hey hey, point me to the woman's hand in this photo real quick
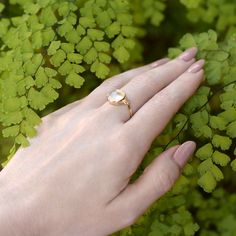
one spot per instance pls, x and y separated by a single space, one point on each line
74 178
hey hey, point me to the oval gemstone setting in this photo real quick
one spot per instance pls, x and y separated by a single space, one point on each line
116 96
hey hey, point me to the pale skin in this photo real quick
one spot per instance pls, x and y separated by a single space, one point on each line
73 179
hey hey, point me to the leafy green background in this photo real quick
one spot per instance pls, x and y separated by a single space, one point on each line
53 52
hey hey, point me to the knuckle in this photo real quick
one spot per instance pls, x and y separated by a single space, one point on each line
88 121
108 82
170 96
178 64
144 77
120 141
125 153
150 75
150 79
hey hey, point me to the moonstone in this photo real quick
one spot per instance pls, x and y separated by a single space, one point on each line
116 96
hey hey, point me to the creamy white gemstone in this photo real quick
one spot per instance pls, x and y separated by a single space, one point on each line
116 96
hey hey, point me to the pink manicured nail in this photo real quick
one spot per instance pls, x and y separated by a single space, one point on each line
159 62
196 66
184 152
188 54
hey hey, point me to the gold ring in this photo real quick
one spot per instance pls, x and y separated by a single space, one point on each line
118 97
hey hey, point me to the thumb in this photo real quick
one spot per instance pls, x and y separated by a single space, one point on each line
155 181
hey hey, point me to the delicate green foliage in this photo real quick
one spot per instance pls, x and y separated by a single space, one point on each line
54 46
220 158
205 166
121 54
210 174
100 69
217 123
217 173
1 7
48 46
101 46
113 29
231 129
31 117
233 165
191 3
21 139
75 80
90 56
219 13
204 152
180 121
221 141
213 68
204 124
153 11
182 224
95 34
207 181
27 129
74 58
199 121
55 40
229 115
41 78
58 58
84 45
11 131
36 99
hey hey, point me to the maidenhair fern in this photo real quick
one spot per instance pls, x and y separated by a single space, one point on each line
220 13
50 48
51 41
212 124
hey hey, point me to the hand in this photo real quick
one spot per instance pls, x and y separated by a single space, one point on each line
74 178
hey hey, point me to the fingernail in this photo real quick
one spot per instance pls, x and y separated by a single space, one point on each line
196 66
159 62
188 54
184 152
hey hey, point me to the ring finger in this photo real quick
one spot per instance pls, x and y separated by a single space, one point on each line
145 85
98 96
